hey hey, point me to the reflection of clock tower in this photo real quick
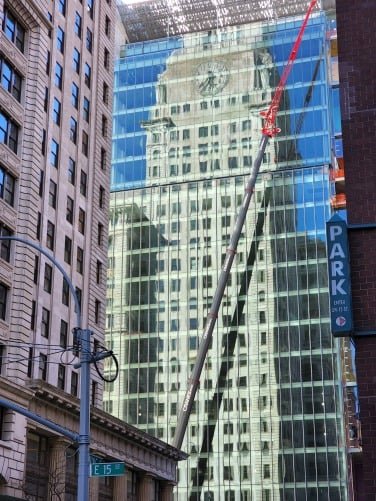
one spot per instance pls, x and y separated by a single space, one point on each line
205 129
211 77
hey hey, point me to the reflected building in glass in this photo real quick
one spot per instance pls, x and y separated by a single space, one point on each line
267 421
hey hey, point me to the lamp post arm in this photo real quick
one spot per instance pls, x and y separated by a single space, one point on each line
58 266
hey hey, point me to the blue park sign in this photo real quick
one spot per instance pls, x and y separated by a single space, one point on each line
339 277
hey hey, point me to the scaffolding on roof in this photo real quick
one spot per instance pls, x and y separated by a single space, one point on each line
150 20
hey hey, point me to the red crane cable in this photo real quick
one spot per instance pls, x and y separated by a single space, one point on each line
269 127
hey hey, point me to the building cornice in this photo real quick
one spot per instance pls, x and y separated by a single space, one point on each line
35 12
46 394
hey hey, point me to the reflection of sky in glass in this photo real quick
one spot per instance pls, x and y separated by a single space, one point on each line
308 112
135 95
135 79
306 89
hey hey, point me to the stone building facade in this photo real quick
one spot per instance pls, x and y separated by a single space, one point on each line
55 136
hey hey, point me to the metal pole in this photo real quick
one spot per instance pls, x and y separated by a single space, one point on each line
84 441
213 313
85 358
39 419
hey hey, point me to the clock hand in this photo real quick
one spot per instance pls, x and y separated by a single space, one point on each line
205 84
209 82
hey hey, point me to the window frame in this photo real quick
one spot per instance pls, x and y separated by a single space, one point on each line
60 39
9 131
59 72
45 323
76 60
11 80
78 25
7 186
54 153
75 95
17 35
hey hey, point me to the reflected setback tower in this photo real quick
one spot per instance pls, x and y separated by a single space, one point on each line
186 126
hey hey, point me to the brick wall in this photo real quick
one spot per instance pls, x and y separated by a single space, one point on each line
357 42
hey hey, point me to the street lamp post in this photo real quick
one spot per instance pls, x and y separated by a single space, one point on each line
85 359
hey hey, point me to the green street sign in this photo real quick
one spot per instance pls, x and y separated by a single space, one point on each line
107 469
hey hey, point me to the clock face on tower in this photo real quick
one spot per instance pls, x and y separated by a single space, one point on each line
211 77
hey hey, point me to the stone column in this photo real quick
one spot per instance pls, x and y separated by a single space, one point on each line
120 488
166 491
57 469
146 488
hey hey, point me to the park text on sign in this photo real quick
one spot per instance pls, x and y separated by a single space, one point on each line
339 277
107 469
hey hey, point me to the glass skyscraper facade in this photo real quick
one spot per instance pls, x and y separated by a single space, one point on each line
267 423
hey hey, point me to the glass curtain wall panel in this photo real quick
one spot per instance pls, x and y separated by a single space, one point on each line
267 420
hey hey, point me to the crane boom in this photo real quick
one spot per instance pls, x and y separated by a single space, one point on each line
269 130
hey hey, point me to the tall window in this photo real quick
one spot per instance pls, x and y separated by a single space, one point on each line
90 8
78 25
75 94
50 238
52 194
5 245
45 323
60 38
61 377
10 79
63 334
42 373
36 269
99 272
70 210
106 59
7 186
80 260
104 126
76 60
79 296
86 109
65 293
68 250
97 311
73 130
100 234
101 197
13 30
85 143
89 40
103 159
61 6
47 278
74 384
83 183
59 76
3 301
87 75
8 132
71 171
54 157
48 62
56 113
107 26
105 93
81 221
